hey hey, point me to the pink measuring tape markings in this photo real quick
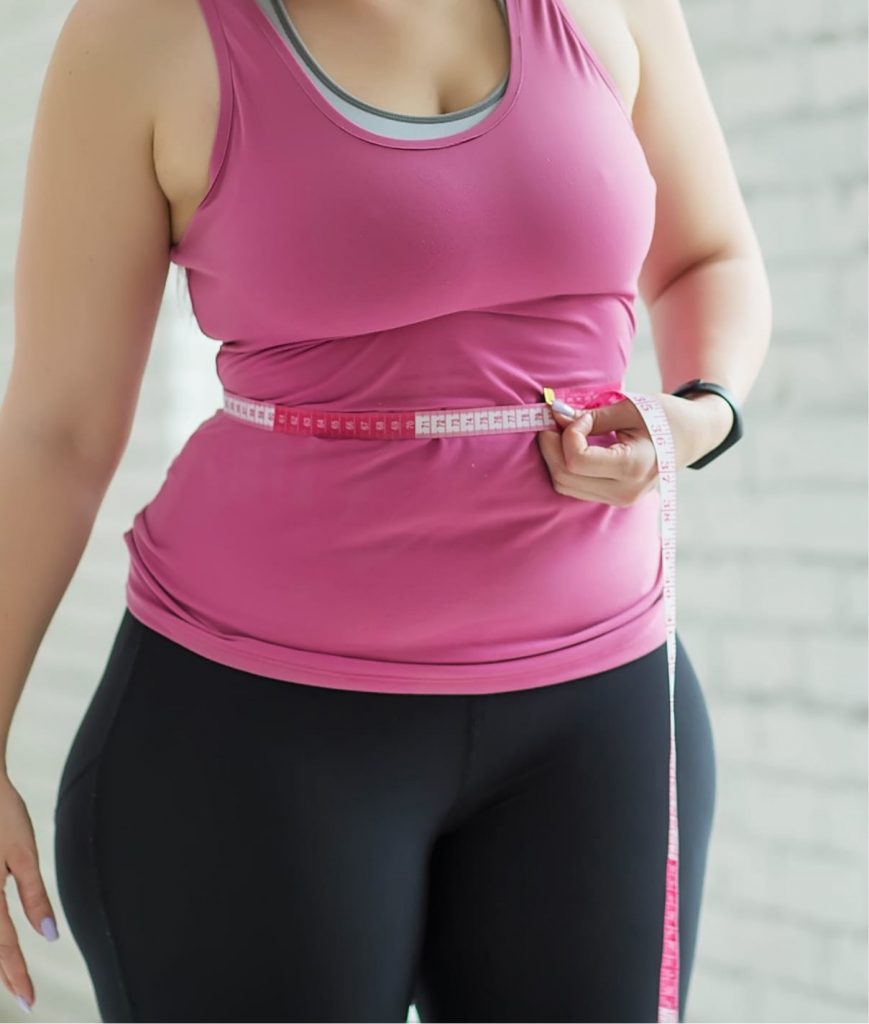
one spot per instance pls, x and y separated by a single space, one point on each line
406 424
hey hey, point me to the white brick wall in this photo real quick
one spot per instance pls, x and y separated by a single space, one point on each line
772 556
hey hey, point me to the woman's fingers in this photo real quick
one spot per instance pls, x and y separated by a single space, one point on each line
616 474
4 977
16 976
23 862
19 857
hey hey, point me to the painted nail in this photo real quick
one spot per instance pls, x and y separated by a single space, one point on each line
563 408
48 928
22 1002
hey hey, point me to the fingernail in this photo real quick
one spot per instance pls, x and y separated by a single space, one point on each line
22 1002
563 408
585 419
48 928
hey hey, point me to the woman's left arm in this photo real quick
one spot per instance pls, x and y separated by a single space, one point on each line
703 280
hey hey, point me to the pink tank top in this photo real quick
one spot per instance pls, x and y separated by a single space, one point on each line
344 269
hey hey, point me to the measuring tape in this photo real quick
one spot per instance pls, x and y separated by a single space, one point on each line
409 425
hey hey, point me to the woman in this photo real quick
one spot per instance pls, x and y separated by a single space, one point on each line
382 723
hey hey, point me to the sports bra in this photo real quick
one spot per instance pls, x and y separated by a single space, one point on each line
337 262
386 122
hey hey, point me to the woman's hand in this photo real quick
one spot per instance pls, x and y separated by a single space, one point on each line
624 471
20 859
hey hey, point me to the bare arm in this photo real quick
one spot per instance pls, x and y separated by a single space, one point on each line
89 278
703 280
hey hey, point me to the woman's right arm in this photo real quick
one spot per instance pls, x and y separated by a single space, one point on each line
90 272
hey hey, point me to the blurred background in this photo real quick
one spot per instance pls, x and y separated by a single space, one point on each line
772 581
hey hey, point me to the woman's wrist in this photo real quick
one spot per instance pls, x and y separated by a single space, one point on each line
715 420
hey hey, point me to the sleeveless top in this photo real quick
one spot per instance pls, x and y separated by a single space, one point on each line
343 266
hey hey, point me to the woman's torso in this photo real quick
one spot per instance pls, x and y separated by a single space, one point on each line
345 269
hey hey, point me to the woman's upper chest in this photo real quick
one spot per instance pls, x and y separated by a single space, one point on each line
399 57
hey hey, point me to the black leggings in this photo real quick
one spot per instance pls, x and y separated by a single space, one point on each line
231 847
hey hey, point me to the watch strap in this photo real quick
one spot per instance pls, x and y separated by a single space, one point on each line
697 386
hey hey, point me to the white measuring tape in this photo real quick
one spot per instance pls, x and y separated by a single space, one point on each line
408 425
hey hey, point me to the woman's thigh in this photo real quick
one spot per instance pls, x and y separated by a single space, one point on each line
232 847
547 897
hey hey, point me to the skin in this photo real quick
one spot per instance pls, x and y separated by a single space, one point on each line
118 164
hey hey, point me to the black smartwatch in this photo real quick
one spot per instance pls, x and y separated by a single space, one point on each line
697 386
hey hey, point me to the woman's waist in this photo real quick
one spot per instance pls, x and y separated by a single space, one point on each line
422 420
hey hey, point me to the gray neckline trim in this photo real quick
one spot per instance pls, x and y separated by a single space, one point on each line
456 115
